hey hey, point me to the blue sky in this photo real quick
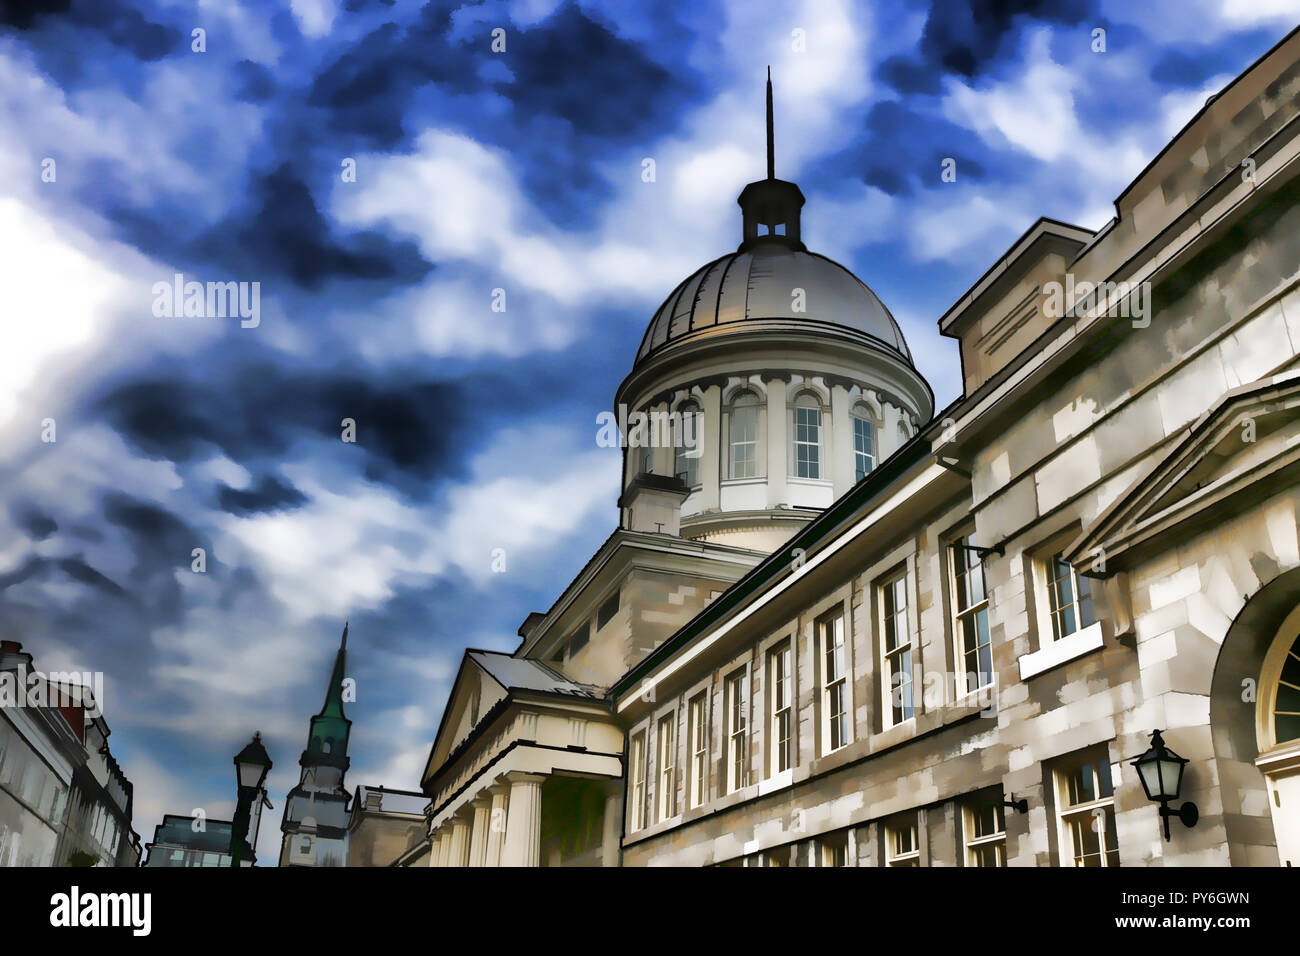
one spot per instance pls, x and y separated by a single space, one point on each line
475 170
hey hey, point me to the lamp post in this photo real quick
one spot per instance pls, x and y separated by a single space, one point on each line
252 764
1161 773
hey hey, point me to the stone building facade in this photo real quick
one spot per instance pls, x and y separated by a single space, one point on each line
955 657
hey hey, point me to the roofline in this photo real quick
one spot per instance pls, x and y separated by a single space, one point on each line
765 573
1201 112
1042 226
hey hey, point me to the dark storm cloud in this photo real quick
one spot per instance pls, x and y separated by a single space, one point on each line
903 150
255 84
1191 66
78 569
36 523
368 89
121 24
406 430
963 36
269 494
284 232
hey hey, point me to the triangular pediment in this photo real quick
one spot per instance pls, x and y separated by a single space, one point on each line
474 693
1248 444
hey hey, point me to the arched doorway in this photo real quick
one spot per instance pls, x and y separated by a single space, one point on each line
1277 729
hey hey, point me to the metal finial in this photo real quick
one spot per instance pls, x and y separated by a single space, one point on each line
771 147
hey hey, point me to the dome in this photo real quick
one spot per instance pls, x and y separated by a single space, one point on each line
757 283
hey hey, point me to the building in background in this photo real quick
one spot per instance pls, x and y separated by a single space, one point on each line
384 825
180 841
64 799
843 630
315 821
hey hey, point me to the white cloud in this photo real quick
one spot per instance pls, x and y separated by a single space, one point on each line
349 548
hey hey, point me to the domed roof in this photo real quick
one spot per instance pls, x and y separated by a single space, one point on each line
758 282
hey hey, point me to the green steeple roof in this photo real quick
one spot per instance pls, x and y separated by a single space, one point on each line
330 727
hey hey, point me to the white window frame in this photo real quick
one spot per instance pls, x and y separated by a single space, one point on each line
830 844
736 691
1088 813
895 853
682 462
859 415
831 639
1055 611
637 773
892 588
811 407
780 696
755 444
698 742
974 842
964 562
666 771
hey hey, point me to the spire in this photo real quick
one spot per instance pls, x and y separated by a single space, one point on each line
771 206
333 706
771 136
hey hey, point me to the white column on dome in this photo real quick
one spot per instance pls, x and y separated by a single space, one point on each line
842 470
711 457
777 454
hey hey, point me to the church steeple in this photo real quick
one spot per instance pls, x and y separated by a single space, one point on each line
771 206
330 728
315 814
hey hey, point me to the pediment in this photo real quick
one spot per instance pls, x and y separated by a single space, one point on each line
474 693
1245 447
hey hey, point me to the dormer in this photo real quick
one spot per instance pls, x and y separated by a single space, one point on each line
1013 304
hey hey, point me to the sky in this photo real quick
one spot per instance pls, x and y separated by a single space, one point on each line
386 177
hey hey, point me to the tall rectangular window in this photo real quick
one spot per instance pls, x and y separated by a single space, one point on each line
985 833
896 646
737 752
807 441
835 849
742 436
835 685
637 772
686 456
667 768
607 611
779 676
864 452
1069 597
901 846
1085 801
975 652
699 743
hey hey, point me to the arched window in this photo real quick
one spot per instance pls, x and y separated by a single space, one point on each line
1284 695
686 444
807 436
864 442
742 436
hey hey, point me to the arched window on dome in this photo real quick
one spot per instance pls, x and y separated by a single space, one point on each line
742 435
864 441
686 444
807 436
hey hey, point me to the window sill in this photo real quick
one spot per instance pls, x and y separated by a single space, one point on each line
812 482
1061 652
733 482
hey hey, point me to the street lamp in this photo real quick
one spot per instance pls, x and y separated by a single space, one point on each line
252 764
1161 773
